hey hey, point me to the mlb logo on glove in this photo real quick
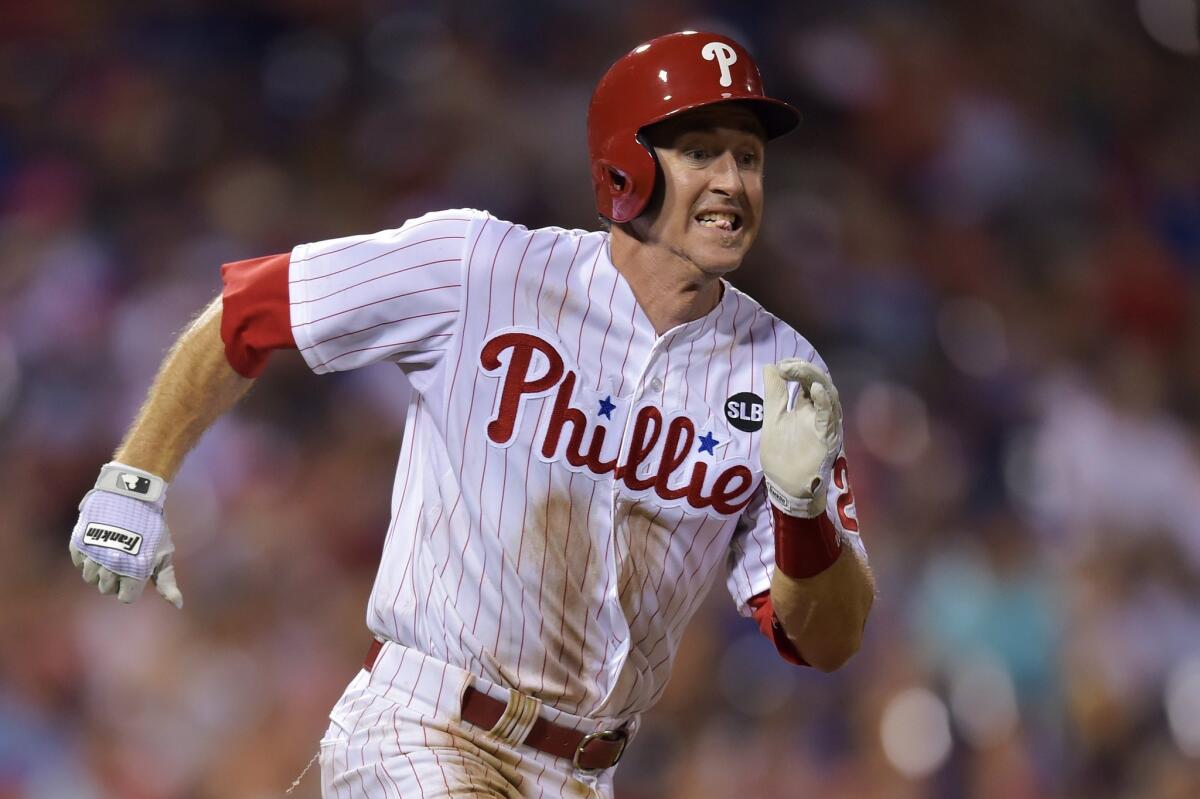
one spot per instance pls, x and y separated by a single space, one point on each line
136 483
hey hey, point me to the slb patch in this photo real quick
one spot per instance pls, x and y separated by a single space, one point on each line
103 535
745 411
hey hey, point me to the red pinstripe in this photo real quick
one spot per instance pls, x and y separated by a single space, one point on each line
416 776
389 345
520 552
582 581
424 612
588 309
365 239
646 575
604 342
762 552
365 261
675 587
529 460
550 481
437 758
733 342
690 581
566 286
376 302
370 699
662 397
687 386
376 277
470 412
466 302
504 456
628 347
708 361
381 324
591 497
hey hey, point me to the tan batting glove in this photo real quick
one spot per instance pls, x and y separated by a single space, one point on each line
800 443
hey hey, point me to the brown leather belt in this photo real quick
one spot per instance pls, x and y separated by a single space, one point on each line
587 751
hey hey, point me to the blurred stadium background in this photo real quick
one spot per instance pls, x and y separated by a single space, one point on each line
990 226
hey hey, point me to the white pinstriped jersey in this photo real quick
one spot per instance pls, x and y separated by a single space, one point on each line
569 482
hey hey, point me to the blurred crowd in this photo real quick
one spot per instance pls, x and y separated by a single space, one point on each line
989 224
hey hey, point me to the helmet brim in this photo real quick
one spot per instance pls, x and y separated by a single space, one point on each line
775 116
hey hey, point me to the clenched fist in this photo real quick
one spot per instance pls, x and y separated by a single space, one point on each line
801 436
121 539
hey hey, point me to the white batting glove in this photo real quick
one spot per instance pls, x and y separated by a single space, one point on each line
799 444
121 539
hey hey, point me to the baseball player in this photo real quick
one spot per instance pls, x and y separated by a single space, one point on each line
600 424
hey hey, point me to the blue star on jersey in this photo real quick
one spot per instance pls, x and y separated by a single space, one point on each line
707 442
606 407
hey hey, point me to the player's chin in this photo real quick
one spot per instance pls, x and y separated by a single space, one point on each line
721 255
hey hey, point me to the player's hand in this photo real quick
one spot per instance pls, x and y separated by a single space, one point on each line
121 539
801 439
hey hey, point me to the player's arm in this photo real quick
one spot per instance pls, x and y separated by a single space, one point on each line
121 540
822 589
824 615
195 385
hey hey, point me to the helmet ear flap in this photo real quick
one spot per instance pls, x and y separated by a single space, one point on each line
614 190
617 180
623 191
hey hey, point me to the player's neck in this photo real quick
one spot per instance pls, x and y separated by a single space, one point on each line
669 289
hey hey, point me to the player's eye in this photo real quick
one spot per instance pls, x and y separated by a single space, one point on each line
748 159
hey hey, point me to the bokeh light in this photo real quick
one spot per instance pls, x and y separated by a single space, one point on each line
915 732
983 701
1182 700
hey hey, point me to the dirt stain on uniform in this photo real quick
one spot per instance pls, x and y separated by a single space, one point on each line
561 567
648 530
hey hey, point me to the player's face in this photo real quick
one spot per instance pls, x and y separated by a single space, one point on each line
710 205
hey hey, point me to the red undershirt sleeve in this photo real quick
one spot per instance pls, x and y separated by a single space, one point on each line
256 315
764 614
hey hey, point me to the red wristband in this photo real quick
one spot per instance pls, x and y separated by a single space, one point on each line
804 547
769 625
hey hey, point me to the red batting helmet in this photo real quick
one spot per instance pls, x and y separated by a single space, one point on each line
654 81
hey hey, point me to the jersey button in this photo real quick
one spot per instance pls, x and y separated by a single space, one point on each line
656 385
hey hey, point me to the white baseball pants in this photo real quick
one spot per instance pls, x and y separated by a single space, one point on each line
397 732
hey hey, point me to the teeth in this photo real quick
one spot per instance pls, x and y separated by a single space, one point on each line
715 219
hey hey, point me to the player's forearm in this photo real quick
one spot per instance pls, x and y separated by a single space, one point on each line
194 386
824 615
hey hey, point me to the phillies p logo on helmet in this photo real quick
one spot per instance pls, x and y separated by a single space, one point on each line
725 58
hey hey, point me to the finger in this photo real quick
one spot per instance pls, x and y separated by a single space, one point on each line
824 410
77 557
821 400
164 583
800 371
91 571
108 581
835 399
774 390
130 590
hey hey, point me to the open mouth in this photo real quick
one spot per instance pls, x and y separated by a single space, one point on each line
720 220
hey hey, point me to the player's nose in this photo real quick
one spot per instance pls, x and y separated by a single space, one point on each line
724 176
